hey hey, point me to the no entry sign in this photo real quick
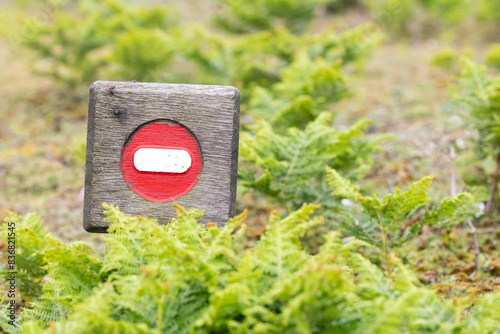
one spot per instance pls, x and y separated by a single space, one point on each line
161 161
152 144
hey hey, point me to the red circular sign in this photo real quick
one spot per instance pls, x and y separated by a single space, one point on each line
161 161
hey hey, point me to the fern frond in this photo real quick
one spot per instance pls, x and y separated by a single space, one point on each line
291 167
471 89
485 317
279 248
370 281
45 311
399 205
452 210
5 320
32 238
342 187
416 311
94 316
201 281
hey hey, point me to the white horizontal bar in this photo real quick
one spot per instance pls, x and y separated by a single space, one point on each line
162 160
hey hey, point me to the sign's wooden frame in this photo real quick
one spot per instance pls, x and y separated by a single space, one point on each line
116 109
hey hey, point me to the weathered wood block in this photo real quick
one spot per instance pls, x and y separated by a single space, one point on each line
151 144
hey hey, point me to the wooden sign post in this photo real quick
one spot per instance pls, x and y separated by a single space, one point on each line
151 144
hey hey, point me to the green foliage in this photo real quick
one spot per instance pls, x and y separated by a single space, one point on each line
259 59
476 96
182 278
127 42
78 153
484 316
143 52
489 10
472 89
80 46
392 14
450 11
31 238
211 55
293 139
244 16
493 56
39 255
407 17
451 211
292 79
338 5
387 223
446 59
307 87
292 165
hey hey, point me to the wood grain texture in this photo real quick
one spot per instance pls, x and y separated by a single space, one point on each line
116 109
